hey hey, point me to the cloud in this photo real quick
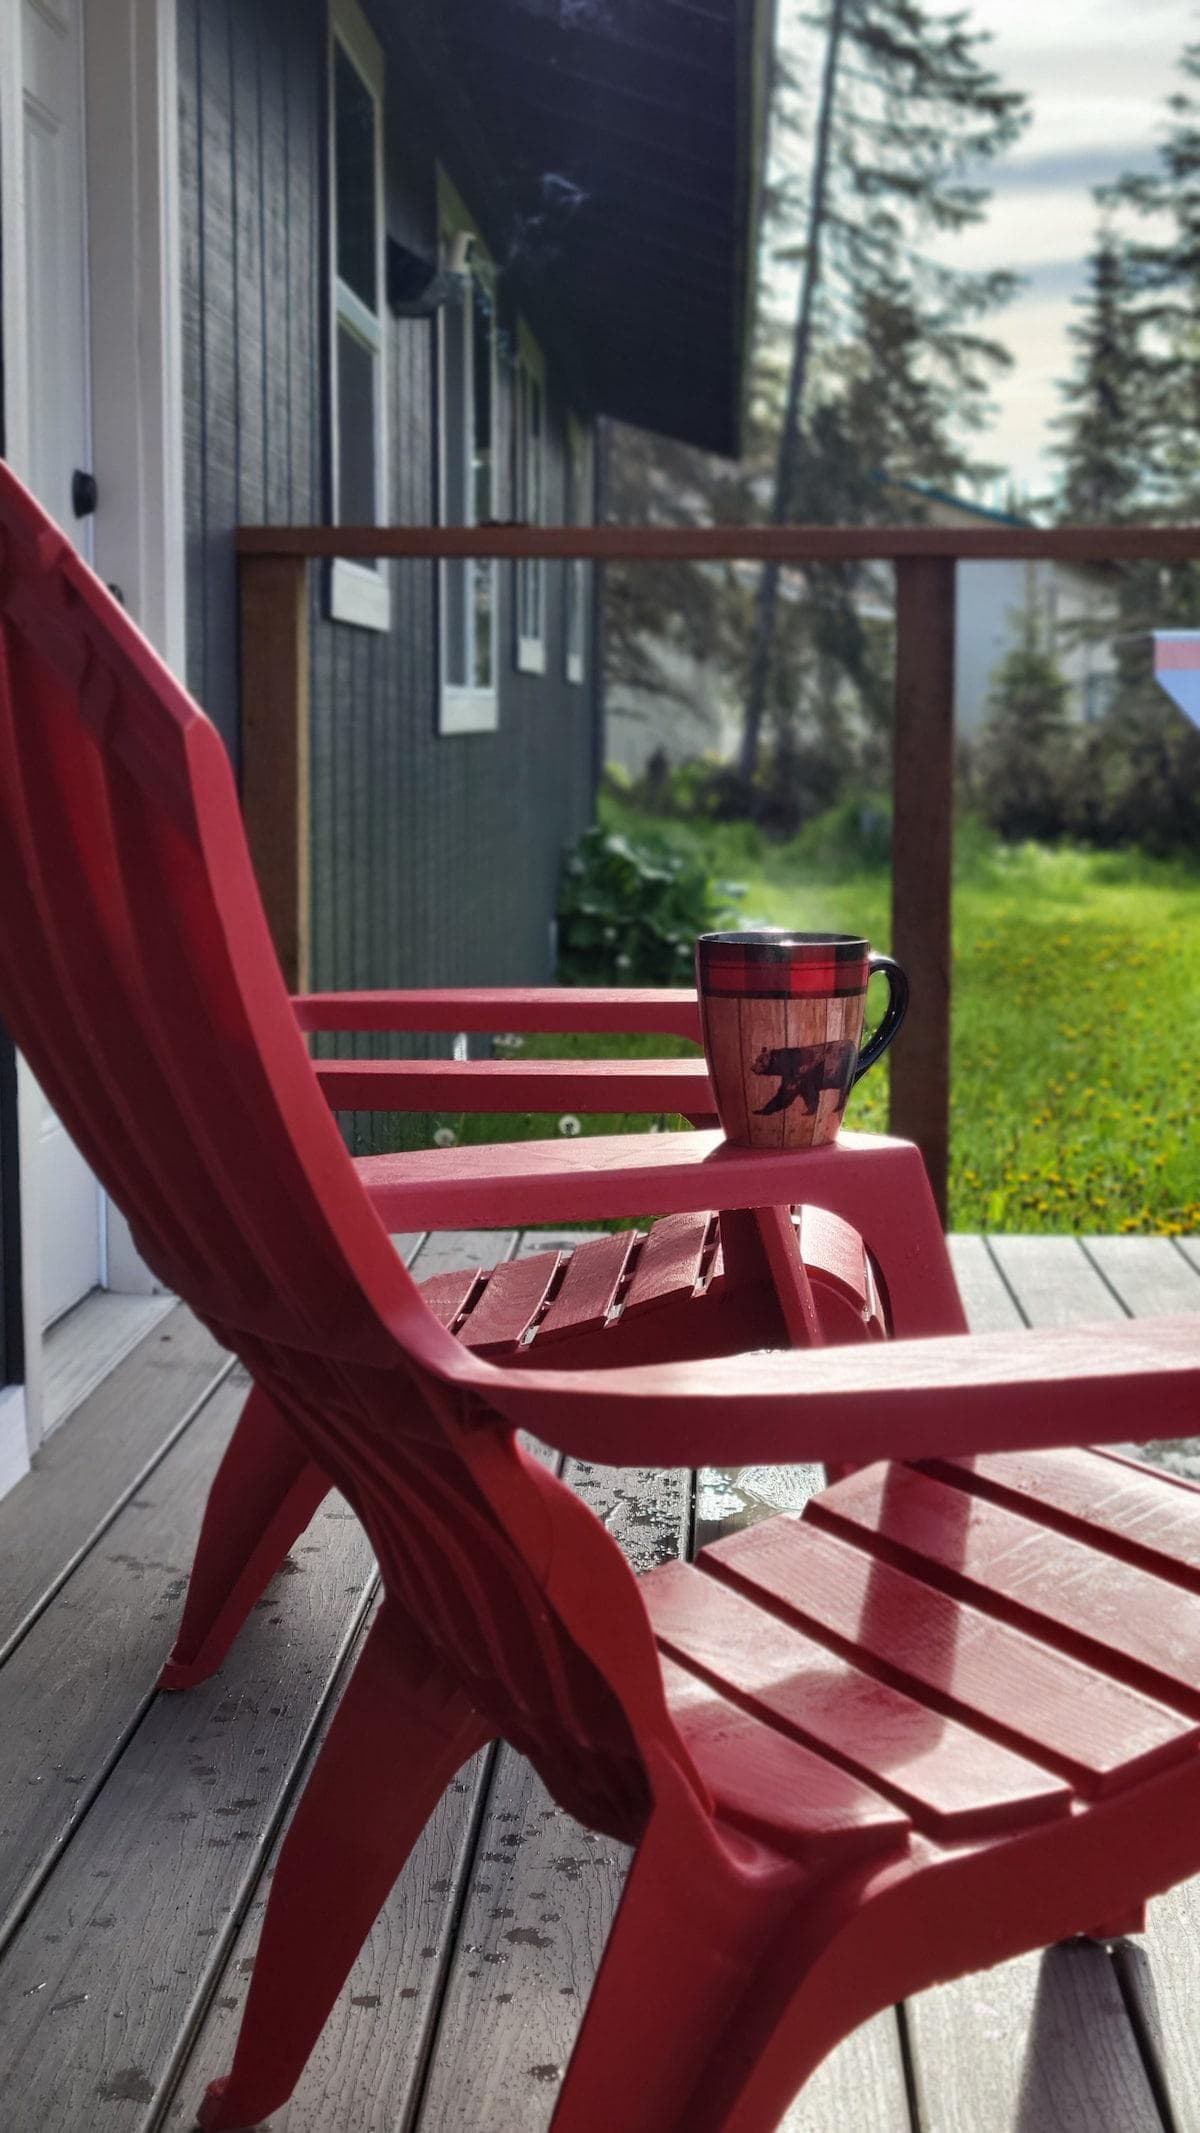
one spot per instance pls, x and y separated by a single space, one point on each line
1078 170
1025 230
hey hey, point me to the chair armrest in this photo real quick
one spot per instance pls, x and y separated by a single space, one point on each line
948 1396
549 1009
601 1085
613 1175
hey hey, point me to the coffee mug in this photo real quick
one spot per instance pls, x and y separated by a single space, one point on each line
782 1020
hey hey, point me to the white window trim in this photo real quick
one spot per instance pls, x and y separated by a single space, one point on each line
531 364
359 593
577 572
464 707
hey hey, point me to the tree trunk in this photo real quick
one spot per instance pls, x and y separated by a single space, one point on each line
782 500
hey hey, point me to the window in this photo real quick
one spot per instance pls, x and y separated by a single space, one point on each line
579 512
358 591
467 357
531 499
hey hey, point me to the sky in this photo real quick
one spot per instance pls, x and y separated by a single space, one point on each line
1097 73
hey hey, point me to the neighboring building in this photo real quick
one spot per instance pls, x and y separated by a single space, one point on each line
1071 606
691 709
301 261
697 711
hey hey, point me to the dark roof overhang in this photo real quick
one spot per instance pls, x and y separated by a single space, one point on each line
612 151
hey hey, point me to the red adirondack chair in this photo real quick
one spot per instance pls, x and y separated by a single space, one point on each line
950 1713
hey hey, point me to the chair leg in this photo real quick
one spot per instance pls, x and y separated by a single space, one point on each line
901 1226
685 1945
758 1243
400 1734
265 1491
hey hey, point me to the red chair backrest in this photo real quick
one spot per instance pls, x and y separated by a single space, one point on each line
138 977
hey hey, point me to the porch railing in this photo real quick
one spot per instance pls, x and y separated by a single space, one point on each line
273 564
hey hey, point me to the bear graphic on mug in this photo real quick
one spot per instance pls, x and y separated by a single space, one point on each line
803 1071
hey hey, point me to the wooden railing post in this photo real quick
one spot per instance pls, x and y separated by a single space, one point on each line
922 854
275 749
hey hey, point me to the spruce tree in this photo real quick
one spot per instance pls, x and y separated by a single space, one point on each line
1130 450
909 108
1024 756
1162 252
1105 430
883 369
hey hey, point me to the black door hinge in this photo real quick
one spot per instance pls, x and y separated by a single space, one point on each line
84 493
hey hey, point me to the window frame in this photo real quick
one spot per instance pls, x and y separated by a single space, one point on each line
359 592
468 706
529 505
577 574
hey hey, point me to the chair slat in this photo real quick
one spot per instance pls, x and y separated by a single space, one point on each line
509 1302
590 1286
450 1295
951 1781
1078 1596
670 1261
1099 1732
774 1787
1110 1501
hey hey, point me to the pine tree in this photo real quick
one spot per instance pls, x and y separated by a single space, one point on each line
907 108
1107 434
884 368
1163 269
1024 755
1131 450
1105 429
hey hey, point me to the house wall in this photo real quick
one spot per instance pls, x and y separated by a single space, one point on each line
994 599
435 858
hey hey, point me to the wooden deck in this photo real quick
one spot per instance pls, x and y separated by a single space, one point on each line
138 1830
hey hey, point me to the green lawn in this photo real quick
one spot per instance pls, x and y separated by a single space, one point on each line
1076 1061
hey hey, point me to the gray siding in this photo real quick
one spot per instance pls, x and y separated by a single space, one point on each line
435 857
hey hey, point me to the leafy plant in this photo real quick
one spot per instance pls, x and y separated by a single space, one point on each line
629 911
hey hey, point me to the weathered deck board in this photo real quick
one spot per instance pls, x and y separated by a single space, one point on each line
79 1681
1151 1279
444 1251
97 1460
1041 2045
1053 1281
367 2066
86 1346
105 1977
987 1299
1158 1972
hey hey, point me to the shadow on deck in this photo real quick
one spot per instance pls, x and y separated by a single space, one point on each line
139 1829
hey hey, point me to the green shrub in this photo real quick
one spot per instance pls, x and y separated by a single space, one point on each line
630 908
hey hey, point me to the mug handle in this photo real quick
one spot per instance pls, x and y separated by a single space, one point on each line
894 1013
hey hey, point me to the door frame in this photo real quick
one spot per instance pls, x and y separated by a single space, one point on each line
131 107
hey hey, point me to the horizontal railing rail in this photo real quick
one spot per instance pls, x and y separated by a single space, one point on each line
513 540
273 563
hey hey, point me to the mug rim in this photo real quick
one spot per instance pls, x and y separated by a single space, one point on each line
772 940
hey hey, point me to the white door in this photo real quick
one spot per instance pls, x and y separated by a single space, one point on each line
59 445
